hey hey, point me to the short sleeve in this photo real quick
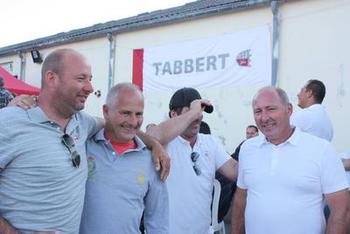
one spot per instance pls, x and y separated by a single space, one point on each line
90 123
7 147
221 156
241 164
333 176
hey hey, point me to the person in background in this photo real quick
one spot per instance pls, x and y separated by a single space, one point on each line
5 95
121 176
204 128
313 118
195 158
251 131
285 174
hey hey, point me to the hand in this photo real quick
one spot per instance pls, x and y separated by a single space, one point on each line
161 160
24 101
199 104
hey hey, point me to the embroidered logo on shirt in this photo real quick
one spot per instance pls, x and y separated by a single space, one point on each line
141 179
91 165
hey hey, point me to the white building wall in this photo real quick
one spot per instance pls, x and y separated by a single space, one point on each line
314 44
232 104
15 64
97 53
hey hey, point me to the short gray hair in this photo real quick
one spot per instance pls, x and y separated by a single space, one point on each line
280 92
283 96
115 90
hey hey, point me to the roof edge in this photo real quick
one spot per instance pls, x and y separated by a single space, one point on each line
144 20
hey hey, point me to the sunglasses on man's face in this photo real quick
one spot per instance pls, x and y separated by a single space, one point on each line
68 141
194 158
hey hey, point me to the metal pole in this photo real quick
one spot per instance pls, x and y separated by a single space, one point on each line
22 66
275 40
111 60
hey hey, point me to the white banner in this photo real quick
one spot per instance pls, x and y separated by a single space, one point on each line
240 58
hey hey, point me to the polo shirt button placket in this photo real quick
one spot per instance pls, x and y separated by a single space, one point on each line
274 160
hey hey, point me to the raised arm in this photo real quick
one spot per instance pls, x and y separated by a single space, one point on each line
173 127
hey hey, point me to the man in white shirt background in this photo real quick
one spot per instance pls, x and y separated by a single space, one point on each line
313 118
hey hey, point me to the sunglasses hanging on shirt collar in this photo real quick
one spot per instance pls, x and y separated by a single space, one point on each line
68 141
194 158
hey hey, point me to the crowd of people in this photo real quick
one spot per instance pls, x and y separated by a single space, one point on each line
64 171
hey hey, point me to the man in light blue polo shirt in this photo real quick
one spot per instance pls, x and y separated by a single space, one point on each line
122 182
42 151
43 166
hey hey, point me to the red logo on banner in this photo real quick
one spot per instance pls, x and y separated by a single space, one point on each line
243 58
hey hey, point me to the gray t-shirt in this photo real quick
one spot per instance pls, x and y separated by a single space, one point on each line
40 190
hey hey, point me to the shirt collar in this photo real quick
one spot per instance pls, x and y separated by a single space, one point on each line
293 139
99 136
183 140
314 106
37 115
186 142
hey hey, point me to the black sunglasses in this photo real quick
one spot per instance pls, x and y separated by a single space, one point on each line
68 141
194 158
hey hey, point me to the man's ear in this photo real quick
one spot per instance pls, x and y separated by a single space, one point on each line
51 78
290 108
309 93
105 110
172 114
